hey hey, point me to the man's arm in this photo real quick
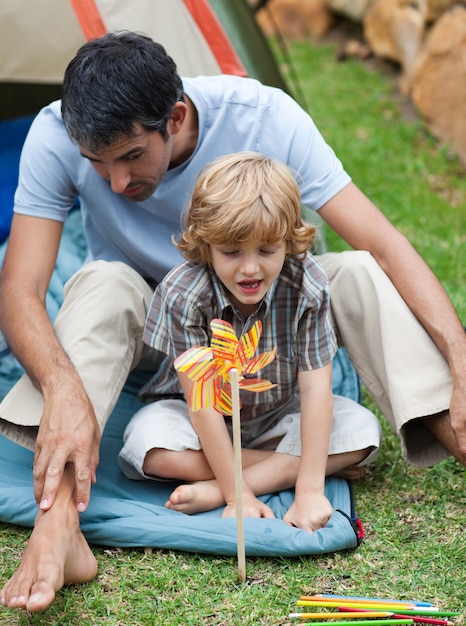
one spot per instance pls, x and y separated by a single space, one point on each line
358 221
68 429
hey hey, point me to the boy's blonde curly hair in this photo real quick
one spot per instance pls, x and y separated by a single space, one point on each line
240 198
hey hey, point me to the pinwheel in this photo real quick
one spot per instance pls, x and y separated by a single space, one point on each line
218 372
209 368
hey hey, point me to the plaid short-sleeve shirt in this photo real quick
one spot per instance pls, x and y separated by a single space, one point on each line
295 315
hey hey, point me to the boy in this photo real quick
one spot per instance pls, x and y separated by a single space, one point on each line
247 259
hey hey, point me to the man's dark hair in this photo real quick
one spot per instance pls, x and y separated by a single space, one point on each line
115 81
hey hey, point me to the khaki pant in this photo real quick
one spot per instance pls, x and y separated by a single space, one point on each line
101 323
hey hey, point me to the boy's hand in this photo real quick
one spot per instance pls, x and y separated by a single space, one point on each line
309 513
252 507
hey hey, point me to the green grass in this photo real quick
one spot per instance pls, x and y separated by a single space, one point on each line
414 520
391 156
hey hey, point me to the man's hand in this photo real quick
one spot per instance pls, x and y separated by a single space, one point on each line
449 427
458 418
68 433
309 512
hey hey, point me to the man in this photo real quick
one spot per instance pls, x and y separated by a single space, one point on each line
131 143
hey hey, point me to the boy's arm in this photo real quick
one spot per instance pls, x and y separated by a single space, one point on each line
211 429
311 509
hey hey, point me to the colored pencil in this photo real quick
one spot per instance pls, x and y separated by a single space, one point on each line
422 611
357 605
361 603
329 596
370 622
416 618
354 614
408 609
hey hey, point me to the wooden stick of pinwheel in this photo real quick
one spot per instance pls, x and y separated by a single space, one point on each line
218 374
236 422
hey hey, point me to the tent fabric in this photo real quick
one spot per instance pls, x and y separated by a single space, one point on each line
172 24
37 40
216 37
89 18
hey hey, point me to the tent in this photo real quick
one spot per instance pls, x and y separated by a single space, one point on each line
38 39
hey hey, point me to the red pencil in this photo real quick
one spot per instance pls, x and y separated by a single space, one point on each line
415 618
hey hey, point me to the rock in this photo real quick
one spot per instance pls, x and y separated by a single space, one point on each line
354 9
439 80
435 8
296 19
394 30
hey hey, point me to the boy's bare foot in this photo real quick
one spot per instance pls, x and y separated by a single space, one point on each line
196 497
57 554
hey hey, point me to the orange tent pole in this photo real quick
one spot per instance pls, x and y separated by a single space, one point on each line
89 18
216 37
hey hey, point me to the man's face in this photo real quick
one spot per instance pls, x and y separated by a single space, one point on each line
134 166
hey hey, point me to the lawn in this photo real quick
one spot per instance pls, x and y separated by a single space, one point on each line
414 520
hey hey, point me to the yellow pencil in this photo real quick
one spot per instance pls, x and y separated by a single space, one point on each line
356 605
359 601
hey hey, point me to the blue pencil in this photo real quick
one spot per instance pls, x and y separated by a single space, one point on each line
415 602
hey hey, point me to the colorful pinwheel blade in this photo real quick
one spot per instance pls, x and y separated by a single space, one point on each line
224 342
248 343
256 384
194 362
260 361
223 399
202 396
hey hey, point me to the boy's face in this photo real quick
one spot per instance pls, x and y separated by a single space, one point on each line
248 271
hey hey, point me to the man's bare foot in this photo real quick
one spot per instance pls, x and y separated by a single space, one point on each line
441 428
196 497
57 554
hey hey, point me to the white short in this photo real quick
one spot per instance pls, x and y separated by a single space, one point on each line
166 424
